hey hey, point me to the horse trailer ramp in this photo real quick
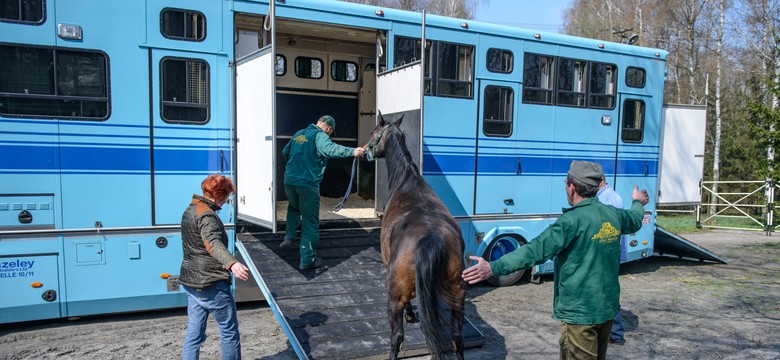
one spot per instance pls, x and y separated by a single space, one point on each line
338 311
668 243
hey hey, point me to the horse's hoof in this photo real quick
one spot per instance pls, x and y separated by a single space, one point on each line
410 318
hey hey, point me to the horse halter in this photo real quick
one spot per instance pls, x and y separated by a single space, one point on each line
371 151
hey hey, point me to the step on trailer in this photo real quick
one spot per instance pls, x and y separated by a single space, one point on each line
109 123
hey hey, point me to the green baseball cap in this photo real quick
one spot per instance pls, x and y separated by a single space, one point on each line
586 172
329 120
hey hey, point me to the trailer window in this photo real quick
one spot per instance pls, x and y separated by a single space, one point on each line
537 79
180 24
499 61
571 82
281 65
22 11
635 77
185 90
633 121
343 71
455 71
53 83
409 50
603 85
308 67
498 111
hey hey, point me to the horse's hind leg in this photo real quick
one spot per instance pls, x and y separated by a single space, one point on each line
395 312
410 316
457 318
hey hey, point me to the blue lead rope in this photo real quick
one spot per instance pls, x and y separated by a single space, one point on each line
349 188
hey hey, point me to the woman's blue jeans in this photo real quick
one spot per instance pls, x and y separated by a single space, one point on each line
216 300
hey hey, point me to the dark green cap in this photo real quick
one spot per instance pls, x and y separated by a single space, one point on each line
329 120
588 173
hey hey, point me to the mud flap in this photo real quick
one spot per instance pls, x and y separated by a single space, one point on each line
536 278
668 243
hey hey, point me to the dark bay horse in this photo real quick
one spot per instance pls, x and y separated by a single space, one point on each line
422 248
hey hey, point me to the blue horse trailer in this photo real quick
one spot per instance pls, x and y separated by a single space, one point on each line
108 124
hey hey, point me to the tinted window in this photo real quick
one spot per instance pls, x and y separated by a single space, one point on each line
308 68
448 69
633 121
281 65
185 90
603 85
635 77
183 24
25 11
343 71
537 79
407 51
499 60
498 111
571 82
32 85
456 70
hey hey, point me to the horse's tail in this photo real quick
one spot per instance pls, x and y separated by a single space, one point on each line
431 282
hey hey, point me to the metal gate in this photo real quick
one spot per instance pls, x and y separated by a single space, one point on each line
752 201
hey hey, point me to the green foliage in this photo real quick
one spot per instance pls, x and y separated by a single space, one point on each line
764 127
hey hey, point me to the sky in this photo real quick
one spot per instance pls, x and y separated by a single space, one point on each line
542 15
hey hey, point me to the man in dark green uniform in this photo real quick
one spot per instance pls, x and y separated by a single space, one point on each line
585 242
307 154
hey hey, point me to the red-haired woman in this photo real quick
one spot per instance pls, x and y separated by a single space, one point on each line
206 269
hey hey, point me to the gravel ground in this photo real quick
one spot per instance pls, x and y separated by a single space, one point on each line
673 309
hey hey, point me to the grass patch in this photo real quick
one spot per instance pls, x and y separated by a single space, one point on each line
677 223
770 246
681 223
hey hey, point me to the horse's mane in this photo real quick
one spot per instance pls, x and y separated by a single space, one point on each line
403 173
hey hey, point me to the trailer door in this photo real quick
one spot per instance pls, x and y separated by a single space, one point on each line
636 160
255 142
637 164
682 154
499 165
399 93
188 137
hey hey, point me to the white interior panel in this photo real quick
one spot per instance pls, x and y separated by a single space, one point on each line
393 92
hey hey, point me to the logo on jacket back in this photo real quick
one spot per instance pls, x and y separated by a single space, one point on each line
607 234
300 139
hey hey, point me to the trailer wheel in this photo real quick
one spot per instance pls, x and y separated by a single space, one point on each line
499 247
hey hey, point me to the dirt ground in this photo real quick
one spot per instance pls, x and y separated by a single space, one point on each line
673 309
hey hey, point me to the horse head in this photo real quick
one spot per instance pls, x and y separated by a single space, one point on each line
375 148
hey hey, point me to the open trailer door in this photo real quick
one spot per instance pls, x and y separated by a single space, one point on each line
255 141
680 174
682 154
399 94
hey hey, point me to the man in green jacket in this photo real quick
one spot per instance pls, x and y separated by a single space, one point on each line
585 242
307 154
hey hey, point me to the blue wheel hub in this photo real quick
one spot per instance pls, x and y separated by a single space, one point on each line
503 246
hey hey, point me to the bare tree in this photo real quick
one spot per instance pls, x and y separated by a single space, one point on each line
463 9
719 35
